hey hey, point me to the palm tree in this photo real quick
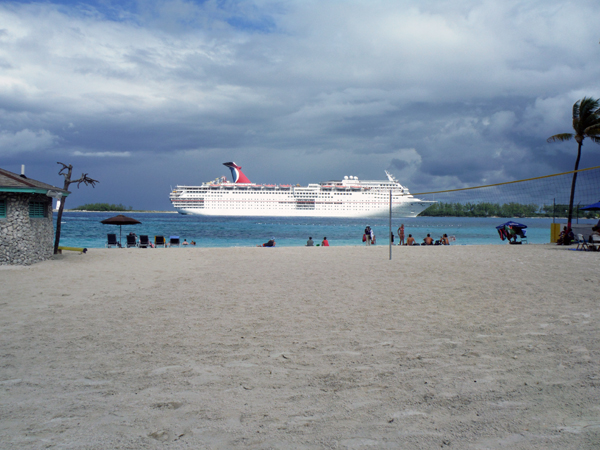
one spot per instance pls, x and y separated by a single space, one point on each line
586 123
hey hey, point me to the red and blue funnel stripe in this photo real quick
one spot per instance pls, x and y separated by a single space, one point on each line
236 173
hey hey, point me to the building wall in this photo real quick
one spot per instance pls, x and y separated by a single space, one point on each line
25 240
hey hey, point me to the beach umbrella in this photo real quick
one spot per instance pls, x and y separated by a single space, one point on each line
514 225
120 220
511 224
592 207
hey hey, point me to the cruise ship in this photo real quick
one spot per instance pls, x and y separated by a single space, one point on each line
350 197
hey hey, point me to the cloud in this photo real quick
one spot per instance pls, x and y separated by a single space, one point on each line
103 154
26 141
444 93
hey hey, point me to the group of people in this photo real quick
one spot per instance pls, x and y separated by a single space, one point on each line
566 236
369 238
311 243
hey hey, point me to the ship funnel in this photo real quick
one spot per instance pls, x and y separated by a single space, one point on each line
236 173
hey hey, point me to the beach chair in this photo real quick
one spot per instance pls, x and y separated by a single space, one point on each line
159 240
144 241
581 242
594 243
173 241
131 241
111 240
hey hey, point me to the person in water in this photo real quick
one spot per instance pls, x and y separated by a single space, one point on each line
270 243
310 242
325 242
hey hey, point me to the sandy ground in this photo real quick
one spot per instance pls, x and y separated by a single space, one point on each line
466 347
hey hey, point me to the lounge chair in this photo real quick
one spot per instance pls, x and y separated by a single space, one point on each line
131 241
112 241
159 240
173 241
594 243
581 242
523 235
144 241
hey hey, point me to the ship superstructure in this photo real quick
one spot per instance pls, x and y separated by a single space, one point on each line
349 197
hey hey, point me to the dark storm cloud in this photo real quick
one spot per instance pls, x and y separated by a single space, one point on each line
148 94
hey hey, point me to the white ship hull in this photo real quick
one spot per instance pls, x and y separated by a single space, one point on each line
408 210
348 198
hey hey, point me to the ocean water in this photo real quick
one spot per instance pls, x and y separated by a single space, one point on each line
83 229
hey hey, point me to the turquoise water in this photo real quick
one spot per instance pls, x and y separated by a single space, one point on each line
85 229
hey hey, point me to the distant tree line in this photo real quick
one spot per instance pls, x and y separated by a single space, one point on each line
485 209
102 207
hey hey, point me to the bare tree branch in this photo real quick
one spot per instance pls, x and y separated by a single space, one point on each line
66 172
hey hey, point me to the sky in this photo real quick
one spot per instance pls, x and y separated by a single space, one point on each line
145 95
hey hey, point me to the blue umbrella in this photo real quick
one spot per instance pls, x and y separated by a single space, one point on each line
517 230
592 207
511 224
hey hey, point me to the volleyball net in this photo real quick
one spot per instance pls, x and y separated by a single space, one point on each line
546 196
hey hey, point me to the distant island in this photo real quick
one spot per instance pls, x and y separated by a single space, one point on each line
102 207
485 209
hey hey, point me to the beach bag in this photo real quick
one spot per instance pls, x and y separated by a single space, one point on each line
364 238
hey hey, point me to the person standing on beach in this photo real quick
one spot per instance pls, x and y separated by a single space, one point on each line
401 235
368 235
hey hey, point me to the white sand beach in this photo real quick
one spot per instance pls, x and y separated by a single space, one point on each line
463 347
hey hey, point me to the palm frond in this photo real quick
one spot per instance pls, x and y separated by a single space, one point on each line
595 139
560 137
588 108
576 110
593 131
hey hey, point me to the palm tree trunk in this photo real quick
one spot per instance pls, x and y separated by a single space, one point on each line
570 218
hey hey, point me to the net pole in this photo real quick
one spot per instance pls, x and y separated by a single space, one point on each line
391 225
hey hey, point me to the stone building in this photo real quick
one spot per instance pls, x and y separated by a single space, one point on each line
26 226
